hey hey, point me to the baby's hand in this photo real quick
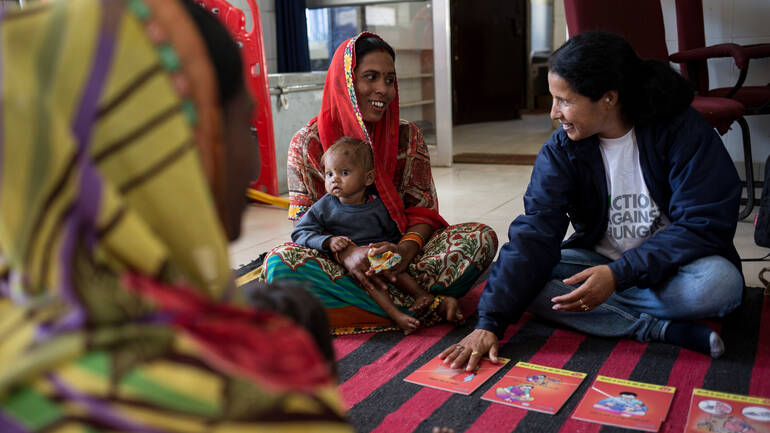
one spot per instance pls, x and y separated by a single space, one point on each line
339 243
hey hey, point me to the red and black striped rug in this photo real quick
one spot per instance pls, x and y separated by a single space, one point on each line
372 368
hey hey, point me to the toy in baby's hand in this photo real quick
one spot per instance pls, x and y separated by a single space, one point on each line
384 261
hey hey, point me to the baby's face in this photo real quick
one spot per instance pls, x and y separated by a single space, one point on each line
344 178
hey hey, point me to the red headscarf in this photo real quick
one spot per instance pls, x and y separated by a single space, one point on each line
340 117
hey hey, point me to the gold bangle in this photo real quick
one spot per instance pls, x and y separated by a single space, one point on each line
414 237
422 239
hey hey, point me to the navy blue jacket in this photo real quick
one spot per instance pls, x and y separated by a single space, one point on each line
690 176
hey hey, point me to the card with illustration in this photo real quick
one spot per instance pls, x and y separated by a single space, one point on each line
436 374
535 387
623 403
712 411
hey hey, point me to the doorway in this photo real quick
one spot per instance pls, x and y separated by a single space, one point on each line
489 59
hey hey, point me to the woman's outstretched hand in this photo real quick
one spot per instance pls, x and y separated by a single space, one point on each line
598 284
407 251
471 349
356 262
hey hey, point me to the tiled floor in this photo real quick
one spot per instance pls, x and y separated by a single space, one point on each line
491 194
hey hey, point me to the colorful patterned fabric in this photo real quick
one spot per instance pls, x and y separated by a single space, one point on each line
401 159
384 261
448 265
113 258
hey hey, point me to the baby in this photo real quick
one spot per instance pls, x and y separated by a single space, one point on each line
347 214
296 303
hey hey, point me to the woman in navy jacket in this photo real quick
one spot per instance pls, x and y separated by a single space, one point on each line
652 196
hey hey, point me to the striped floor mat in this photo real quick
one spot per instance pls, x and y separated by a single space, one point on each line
372 368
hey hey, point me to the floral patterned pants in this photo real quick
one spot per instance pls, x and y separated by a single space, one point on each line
448 265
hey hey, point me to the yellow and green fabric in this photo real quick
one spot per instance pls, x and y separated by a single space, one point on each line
113 263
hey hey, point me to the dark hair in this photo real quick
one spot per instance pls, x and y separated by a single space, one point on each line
595 62
628 393
295 302
359 150
367 44
222 49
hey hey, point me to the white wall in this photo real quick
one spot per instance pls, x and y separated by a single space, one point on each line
559 24
541 25
267 18
741 22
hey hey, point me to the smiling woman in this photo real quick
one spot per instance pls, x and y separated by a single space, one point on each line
375 80
361 101
652 195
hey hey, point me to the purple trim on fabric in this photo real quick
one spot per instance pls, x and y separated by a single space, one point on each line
157 318
82 221
84 120
98 409
8 425
161 319
2 113
5 288
89 199
72 321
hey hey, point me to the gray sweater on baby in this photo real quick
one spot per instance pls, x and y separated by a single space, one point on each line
362 223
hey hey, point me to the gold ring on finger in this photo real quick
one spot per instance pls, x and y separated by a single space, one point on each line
583 305
475 352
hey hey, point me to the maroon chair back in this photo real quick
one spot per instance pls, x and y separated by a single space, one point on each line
691 34
640 22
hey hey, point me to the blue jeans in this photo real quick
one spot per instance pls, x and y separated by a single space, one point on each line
708 287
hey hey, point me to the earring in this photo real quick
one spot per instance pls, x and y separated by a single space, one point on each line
607 99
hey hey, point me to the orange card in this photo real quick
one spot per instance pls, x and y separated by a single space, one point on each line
535 387
436 374
712 411
623 403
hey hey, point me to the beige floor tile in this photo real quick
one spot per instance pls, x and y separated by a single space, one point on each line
263 227
522 136
747 249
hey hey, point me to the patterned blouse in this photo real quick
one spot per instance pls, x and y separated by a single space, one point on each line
412 176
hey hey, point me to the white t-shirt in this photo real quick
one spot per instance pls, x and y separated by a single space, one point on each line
633 215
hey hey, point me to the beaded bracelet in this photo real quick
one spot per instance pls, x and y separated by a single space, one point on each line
414 237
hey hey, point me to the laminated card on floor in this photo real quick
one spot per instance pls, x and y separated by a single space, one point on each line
624 403
436 374
712 411
535 387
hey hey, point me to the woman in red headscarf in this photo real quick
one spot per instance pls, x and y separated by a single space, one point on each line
360 100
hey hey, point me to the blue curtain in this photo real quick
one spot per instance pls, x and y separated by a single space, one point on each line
291 32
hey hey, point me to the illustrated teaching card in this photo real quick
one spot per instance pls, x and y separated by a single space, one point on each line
436 374
623 403
712 411
535 387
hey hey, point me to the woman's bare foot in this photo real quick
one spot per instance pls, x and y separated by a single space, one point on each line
449 309
406 322
421 302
